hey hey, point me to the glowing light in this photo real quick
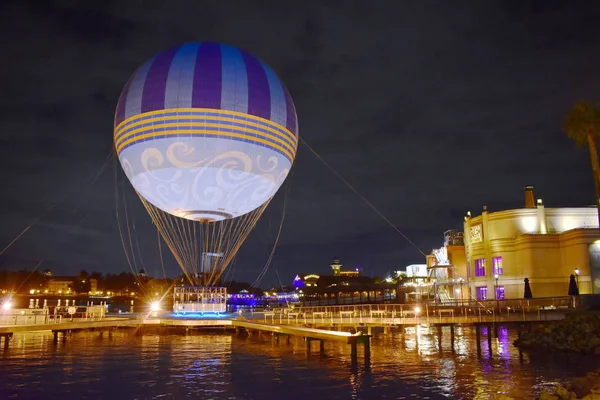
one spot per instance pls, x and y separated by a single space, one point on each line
417 310
576 271
313 276
7 305
32 291
155 306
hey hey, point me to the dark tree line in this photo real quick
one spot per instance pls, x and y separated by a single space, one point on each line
120 283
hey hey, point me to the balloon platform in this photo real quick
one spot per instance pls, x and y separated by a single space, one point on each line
191 320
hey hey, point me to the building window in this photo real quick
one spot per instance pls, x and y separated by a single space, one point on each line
497 265
481 293
480 267
499 292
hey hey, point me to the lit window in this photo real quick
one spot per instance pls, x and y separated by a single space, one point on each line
480 267
497 265
481 292
499 292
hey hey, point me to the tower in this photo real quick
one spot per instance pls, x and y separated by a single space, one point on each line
209 263
336 266
529 198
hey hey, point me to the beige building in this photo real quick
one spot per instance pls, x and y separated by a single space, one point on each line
546 245
59 285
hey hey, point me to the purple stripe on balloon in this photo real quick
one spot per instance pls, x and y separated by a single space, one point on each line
207 77
292 119
259 94
153 97
120 112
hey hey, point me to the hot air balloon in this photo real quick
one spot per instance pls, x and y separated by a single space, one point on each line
206 133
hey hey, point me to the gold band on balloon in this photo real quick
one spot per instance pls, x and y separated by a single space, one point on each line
205 123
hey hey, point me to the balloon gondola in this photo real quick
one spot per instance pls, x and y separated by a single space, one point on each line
206 134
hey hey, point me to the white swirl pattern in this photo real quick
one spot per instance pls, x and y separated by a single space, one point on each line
204 174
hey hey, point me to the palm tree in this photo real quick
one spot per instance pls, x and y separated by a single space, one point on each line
582 124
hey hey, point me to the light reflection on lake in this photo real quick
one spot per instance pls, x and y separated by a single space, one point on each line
415 364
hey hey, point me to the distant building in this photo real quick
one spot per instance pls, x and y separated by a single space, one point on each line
546 245
342 287
93 285
442 279
417 271
60 284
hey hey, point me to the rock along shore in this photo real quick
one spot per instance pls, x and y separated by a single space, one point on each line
578 332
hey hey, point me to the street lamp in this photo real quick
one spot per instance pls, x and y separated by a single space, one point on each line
496 287
577 276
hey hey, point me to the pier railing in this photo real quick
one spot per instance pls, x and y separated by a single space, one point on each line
36 316
480 311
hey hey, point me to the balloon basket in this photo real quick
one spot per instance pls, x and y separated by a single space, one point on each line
199 300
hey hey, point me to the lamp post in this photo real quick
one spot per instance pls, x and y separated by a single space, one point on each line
461 280
496 287
577 276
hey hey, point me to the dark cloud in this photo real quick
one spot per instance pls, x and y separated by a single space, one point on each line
428 109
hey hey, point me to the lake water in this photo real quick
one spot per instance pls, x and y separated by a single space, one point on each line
225 366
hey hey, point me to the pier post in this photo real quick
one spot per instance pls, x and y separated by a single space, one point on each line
7 337
308 340
369 330
367 345
489 338
452 335
353 352
322 347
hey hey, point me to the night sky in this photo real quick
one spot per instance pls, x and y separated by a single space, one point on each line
429 109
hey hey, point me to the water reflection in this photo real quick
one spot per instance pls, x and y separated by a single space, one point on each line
419 362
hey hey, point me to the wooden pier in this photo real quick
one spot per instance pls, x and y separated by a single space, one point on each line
312 335
349 325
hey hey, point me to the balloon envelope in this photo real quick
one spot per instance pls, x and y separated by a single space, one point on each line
205 131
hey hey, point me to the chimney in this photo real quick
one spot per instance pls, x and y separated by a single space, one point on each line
529 198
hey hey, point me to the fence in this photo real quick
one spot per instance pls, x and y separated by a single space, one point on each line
36 316
485 311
